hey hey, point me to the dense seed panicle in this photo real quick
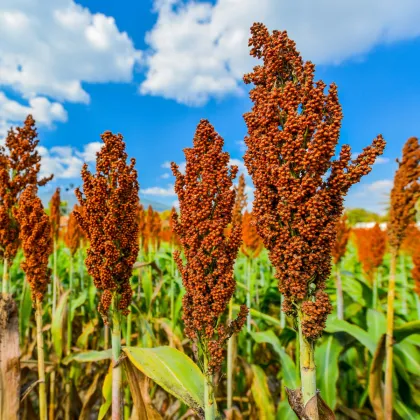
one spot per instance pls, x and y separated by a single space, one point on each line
240 200
340 244
73 236
36 238
110 221
371 247
293 130
404 193
55 213
252 244
206 198
19 167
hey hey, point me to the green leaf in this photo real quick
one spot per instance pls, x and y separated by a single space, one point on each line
410 355
172 370
376 322
57 325
261 394
107 394
79 301
88 356
147 285
288 365
326 360
285 412
400 333
25 310
404 412
337 325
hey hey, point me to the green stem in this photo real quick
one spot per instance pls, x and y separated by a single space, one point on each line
307 371
116 371
417 305
230 362
209 402
127 394
404 286
5 287
375 290
388 397
340 297
54 303
69 324
41 362
248 303
282 314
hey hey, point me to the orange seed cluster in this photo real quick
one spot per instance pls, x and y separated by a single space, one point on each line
206 197
293 130
35 235
340 244
110 221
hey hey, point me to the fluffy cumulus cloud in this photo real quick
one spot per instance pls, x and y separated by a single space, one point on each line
197 50
49 49
66 162
167 191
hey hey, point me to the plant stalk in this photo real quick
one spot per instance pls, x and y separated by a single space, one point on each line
340 297
388 397
404 288
307 371
209 402
5 285
230 362
248 304
41 362
116 371
54 303
69 336
375 290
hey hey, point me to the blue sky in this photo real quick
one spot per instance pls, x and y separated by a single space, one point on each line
152 69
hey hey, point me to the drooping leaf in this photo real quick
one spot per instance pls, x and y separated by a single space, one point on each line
336 325
172 370
57 325
89 399
88 356
327 372
288 365
376 323
261 394
138 383
106 393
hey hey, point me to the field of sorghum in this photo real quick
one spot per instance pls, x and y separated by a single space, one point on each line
118 311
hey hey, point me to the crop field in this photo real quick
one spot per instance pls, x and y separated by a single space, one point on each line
113 310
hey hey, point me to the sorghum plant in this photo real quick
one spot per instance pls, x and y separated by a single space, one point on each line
371 247
404 195
110 221
206 200
35 235
55 224
293 131
19 167
338 252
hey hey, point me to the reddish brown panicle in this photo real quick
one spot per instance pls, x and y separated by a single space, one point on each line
110 221
293 131
19 167
404 193
371 247
206 198
340 244
73 236
252 244
55 213
35 235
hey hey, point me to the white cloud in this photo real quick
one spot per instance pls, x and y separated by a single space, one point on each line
65 162
50 49
44 112
166 165
159 191
165 175
89 151
198 51
175 204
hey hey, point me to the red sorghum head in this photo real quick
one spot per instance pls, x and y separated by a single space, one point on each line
19 167
35 235
293 131
404 193
73 236
110 221
206 198
340 244
55 213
